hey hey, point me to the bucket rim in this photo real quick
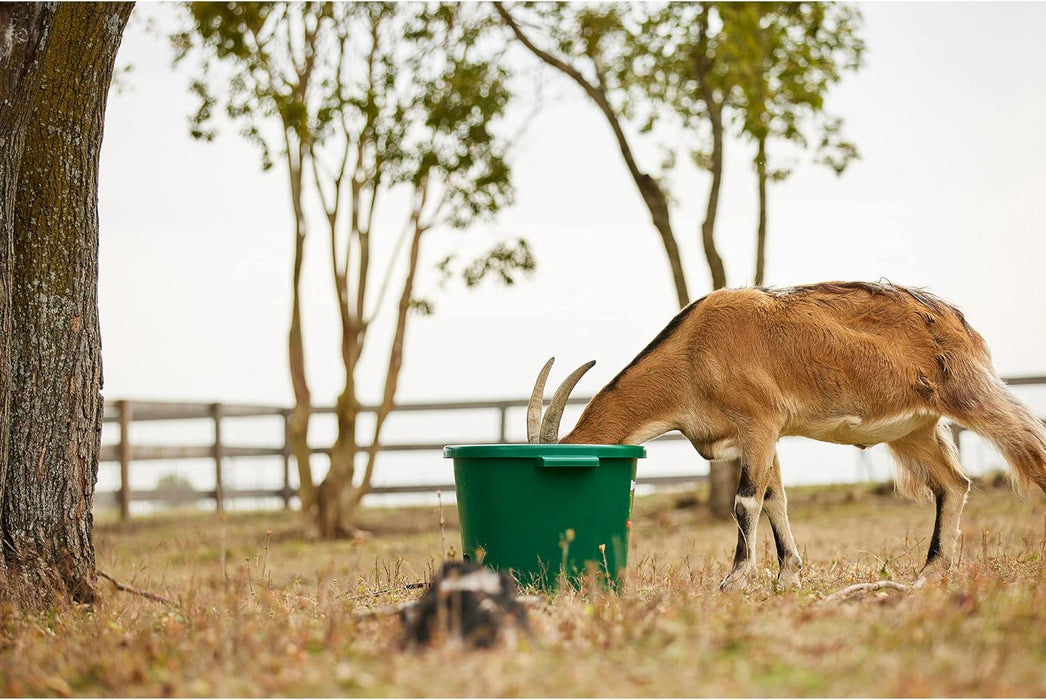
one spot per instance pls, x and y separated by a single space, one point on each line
532 450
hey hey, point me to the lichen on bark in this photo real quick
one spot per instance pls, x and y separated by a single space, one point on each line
51 440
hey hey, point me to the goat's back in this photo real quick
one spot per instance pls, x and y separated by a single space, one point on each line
876 348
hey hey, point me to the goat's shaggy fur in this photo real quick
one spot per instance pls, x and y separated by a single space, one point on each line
847 362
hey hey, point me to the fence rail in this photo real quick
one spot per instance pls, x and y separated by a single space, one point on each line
126 412
124 452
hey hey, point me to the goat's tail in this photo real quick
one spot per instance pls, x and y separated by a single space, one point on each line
1002 418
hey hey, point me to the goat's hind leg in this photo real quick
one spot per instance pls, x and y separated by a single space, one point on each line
775 505
928 459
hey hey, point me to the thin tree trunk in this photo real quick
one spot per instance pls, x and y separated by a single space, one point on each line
760 238
395 363
298 423
723 474
56 376
332 517
703 72
715 262
653 195
24 33
723 477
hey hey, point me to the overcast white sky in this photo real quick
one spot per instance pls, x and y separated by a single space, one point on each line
948 113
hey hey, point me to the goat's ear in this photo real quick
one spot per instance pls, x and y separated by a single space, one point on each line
554 414
536 398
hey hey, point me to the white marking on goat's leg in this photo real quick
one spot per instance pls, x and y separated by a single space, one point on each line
775 505
748 504
943 550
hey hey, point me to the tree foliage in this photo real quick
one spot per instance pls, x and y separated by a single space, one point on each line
368 104
752 70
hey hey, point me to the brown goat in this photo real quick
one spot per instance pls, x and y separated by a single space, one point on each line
854 363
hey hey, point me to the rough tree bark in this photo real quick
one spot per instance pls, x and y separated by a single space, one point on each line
24 31
55 346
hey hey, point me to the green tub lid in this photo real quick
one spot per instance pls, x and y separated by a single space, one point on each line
531 451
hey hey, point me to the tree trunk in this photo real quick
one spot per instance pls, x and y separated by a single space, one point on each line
715 263
298 422
760 238
653 195
657 203
24 32
392 373
56 376
723 475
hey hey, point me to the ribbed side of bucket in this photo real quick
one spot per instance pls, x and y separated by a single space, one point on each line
546 511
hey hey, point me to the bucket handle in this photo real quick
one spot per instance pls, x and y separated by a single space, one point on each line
568 461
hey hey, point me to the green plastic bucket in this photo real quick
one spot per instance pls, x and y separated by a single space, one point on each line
537 510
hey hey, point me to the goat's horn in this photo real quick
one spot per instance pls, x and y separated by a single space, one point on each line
554 414
536 398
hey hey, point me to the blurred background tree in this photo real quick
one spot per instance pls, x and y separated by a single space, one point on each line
763 69
373 103
589 44
791 55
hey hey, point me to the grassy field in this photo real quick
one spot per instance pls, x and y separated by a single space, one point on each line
257 611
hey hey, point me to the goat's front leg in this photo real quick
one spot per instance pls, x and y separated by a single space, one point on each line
775 505
756 467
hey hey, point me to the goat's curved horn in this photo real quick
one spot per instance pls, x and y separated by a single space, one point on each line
554 414
536 398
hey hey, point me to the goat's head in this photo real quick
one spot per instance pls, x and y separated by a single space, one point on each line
547 429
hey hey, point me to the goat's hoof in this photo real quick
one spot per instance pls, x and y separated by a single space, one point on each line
788 582
736 580
932 572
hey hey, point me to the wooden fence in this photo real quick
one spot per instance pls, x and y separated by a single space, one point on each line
125 452
124 413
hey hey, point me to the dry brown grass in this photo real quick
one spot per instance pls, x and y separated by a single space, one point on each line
281 618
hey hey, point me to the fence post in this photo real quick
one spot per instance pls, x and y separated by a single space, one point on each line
502 432
216 415
286 460
125 458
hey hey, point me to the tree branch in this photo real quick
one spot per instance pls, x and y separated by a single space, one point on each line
136 591
649 189
396 351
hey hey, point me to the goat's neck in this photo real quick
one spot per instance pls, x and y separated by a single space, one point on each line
628 411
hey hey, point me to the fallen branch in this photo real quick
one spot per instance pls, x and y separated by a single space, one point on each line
130 589
865 588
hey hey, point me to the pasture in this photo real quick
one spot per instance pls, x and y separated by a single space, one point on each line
257 611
